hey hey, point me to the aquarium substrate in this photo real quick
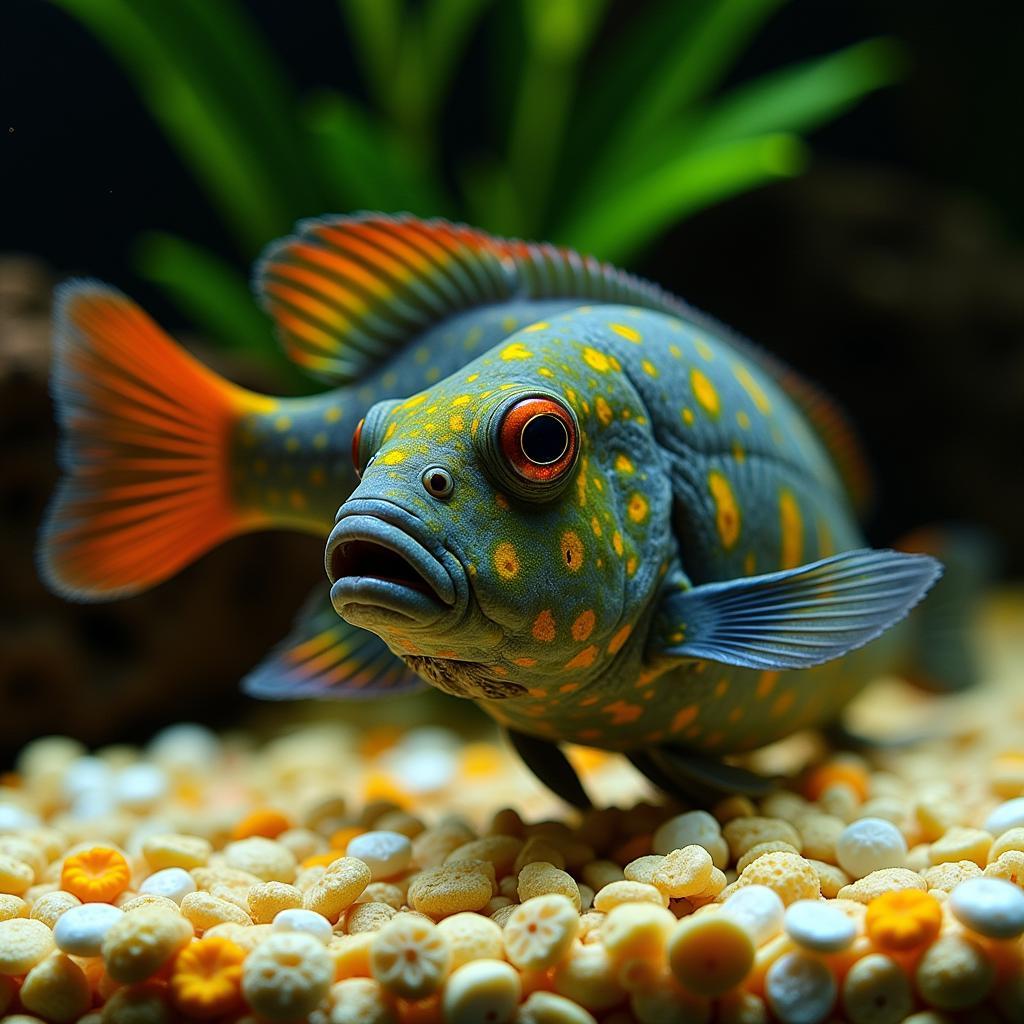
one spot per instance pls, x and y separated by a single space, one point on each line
410 875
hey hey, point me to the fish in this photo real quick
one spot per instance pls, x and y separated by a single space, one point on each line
544 484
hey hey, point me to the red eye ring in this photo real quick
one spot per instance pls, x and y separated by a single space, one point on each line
538 439
357 436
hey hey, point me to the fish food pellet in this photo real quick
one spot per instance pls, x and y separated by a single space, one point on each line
539 879
788 874
23 943
542 1007
636 936
142 942
539 932
684 872
759 910
876 990
1009 814
482 990
711 953
800 989
989 906
170 850
470 936
818 927
870 844
12 906
56 989
954 974
616 894
306 921
52 905
267 860
174 883
903 919
386 854
409 956
450 889
81 930
337 888
286 976
15 875
206 979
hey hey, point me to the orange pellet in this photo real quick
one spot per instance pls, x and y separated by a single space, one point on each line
206 978
340 839
321 860
267 822
381 786
832 772
480 760
98 875
903 919
376 741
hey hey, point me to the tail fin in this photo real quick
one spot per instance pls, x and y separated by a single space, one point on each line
943 658
145 447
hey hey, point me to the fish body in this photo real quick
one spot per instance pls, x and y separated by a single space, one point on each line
545 485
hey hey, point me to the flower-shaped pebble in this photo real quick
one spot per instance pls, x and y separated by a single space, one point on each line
286 976
206 978
540 931
97 875
903 919
410 957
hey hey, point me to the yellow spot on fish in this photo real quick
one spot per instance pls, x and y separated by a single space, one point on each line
509 323
738 453
517 350
675 351
792 530
545 372
282 423
743 419
584 659
704 349
705 393
456 423
637 508
766 683
538 326
526 663
432 374
630 566
595 526
622 464
537 692
583 626
749 563
500 500
568 687
333 414
687 415
572 551
472 377
320 440
596 360
617 543
414 401
473 427
623 713
544 627
506 561
752 388
684 717
392 427
721 687
626 332
649 368
394 458
603 409
727 513
616 642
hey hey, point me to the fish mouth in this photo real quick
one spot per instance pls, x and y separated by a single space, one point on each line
375 564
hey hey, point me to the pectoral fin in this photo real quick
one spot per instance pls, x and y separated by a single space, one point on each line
795 618
551 766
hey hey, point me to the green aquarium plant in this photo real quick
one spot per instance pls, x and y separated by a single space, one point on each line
598 140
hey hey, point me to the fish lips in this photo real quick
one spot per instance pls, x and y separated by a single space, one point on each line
377 563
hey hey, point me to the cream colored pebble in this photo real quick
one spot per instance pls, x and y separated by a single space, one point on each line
934 817
383 892
735 806
268 899
664 1001
537 848
147 899
496 903
501 851
471 935
709 954
136 946
954 974
137 1004
760 849
501 915
962 844
598 873
12 906
539 879
876 990
303 843
1009 866
865 889
287 976
684 872
172 850
221 874
819 834
337 888
482 990
618 893
21 848
539 932
635 936
16 877
788 874
360 1001
409 956
543 1007
1011 839
642 869
830 878
57 989
49 907
268 860
450 889
432 846
23 943
743 833
692 828
351 954
740 1007
366 917
204 910
948 875
587 976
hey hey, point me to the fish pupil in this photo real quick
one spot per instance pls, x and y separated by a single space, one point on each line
544 439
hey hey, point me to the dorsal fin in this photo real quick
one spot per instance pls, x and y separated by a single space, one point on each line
346 292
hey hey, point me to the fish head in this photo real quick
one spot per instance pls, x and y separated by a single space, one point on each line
510 527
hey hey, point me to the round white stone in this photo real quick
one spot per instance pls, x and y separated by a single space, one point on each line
1006 816
422 769
80 930
139 786
385 853
309 922
819 927
989 906
870 844
174 883
13 817
85 775
800 989
184 747
694 828
758 909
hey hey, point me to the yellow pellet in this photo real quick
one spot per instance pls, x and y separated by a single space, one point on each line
450 889
684 872
539 932
171 850
618 893
266 900
539 879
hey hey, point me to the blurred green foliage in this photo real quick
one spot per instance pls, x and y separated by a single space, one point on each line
597 144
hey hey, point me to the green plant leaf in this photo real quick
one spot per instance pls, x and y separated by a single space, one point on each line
677 188
376 29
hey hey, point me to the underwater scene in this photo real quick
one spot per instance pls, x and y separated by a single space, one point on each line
511 512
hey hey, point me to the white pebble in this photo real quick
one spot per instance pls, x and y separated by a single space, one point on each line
174 883
870 844
13 818
482 990
800 989
819 927
422 769
1006 816
92 804
140 786
184 748
80 930
694 828
386 854
309 922
758 909
989 906
85 775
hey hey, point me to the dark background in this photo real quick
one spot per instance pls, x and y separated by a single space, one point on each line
892 272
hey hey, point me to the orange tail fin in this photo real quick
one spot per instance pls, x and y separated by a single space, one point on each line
145 450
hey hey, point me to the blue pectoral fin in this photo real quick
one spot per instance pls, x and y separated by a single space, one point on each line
324 657
795 618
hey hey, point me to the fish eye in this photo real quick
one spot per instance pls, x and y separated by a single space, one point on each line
357 437
538 439
438 482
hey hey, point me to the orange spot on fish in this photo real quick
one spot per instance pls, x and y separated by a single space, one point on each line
623 713
727 513
544 627
684 717
616 642
766 683
583 626
584 659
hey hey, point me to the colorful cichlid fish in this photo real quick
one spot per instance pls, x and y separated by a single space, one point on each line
599 515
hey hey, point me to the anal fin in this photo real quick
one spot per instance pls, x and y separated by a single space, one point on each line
694 777
546 760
